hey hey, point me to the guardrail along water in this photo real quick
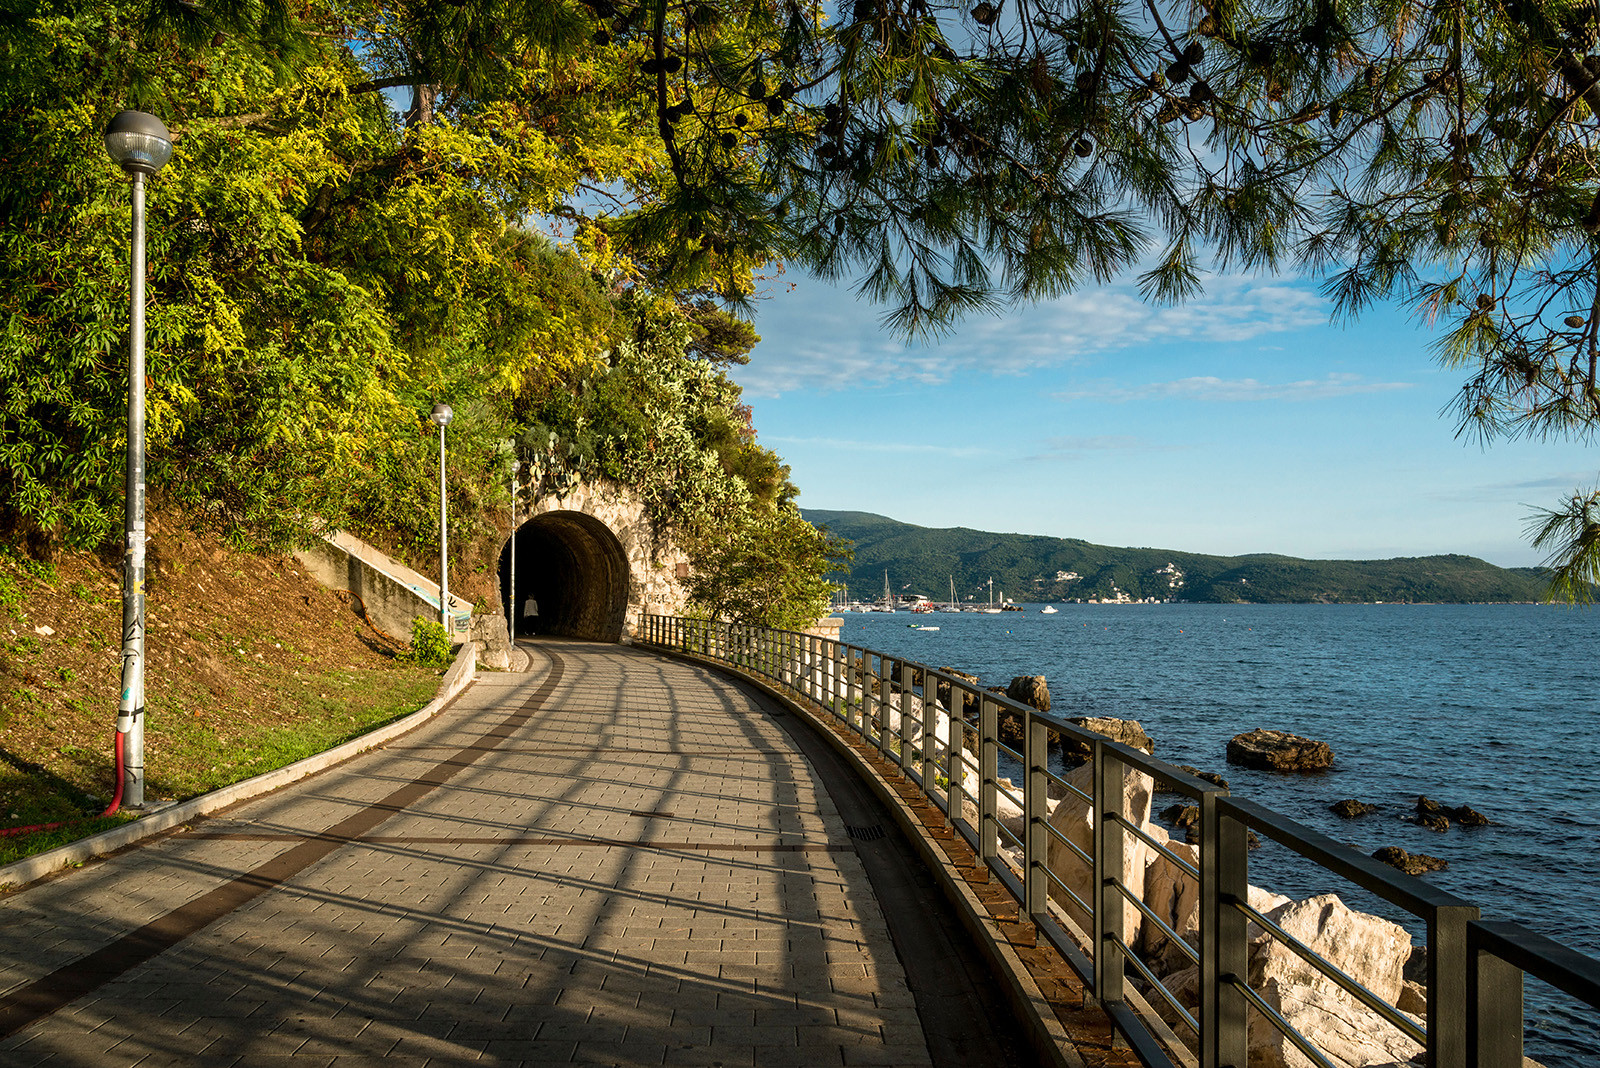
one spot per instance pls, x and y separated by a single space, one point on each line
1193 964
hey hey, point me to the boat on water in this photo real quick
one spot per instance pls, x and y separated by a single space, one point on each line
1048 610
993 609
915 626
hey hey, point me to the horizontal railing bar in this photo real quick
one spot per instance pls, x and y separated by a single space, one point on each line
1151 915
1087 798
1345 982
824 673
1069 843
1161 988
1065 889
1284 1027
1408 892
1132 1027
1192 871
1543 958
1008 878
1065 945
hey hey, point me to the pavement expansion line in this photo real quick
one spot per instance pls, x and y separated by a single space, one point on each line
66 984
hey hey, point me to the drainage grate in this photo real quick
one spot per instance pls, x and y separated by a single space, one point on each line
866 834
658 815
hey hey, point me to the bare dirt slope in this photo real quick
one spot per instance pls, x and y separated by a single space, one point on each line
251 665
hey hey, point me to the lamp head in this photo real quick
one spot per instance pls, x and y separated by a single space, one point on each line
441 414
138 143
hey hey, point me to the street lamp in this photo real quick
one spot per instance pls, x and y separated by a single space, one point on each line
140 145
511 593
442 415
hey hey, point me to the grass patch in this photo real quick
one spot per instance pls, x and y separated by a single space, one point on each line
185 758
242 677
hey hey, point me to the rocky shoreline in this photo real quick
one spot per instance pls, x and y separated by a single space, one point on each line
1372 950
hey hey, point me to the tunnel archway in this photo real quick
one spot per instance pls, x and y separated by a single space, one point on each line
574 568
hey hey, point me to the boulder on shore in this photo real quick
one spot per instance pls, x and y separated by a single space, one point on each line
1437 817
1278 751
1073 818
1208 776
1185 818
969 698
1410 863
1351 809
1030 690
1127 731
1369 949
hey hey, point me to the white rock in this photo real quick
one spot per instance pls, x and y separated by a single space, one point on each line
1370 949
1174 895
1072 819
914 709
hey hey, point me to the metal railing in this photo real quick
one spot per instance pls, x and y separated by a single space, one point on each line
944 733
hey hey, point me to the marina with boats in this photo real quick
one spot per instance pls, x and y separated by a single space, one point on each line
996 603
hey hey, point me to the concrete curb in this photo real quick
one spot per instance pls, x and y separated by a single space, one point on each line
14 876
1047 1035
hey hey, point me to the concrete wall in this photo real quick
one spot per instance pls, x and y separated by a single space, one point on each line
598 568
388 593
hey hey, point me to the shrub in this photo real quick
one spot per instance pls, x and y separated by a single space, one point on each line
430 646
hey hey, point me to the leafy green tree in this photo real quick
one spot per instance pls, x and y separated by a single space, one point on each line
323 263
951 157
768 569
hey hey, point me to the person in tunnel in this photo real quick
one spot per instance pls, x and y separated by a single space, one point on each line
530 617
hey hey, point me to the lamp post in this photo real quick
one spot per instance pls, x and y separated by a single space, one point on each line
511 592
140 145
442 415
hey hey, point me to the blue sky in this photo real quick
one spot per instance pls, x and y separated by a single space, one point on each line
1240 422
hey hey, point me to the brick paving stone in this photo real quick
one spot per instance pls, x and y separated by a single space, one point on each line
577 891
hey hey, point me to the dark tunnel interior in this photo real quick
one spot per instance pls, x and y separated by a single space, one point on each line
571 578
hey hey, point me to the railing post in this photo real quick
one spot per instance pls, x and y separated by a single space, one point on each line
1224 953
835 676
955 756
862 726
878 729
1448 964
1035 810
885 708
1494 992
807 660
930 733
1107 902
988 772
904 734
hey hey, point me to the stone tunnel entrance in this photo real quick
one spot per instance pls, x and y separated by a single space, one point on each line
576 571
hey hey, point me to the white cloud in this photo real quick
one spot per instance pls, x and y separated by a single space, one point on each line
820 338
1210 388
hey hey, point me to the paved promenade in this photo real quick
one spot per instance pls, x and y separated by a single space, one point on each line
613 858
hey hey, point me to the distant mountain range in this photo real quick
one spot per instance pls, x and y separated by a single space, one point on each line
1028 567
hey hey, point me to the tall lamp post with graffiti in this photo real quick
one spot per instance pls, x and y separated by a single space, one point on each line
511 589
140 145
441 415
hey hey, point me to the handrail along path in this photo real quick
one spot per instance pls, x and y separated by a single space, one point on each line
1475 968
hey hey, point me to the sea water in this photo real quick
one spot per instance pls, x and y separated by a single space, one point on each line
1493 706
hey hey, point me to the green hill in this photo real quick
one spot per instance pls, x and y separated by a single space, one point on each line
1029 567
